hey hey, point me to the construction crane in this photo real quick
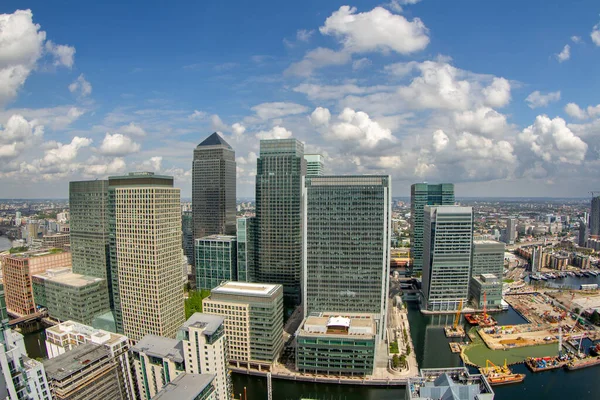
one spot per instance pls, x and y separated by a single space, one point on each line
457 317
485 316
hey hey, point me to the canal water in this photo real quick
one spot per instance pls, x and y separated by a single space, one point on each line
5 243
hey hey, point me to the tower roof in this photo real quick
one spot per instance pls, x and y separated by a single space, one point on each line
214 140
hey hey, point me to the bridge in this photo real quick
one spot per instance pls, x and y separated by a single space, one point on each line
26 318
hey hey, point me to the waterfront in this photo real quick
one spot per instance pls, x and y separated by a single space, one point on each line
5 243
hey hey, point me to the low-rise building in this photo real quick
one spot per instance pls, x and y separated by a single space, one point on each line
189 387
486 289
337 345
253 321
448 383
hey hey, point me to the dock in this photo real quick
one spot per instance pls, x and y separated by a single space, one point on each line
452 332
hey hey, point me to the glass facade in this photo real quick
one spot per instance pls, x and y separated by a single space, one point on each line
335 356
279 173
448 238
314 164
422 194
187 237
216 260
347 239
488 258
246 249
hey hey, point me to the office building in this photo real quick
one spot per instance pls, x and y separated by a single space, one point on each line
253 321
347 245
205 350
70 296
56 241
64 337
87 372
448 239
246 249
510 232
20 376
280 168
216 260
213 188
189 387
187 235
145 251
595 218
17 270
448 383
583 234
329 344
486 289
488 257
422 194
314 164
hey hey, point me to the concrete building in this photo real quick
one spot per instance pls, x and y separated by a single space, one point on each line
17 270
213 188
216 260
583 234
145 251
246 249
70 296
57 241
595 218
448 383
253 321
559 262
20 376
314 164
205 350
329 344
510 233
347 233
448 238
279 173
64 337
189 387
422 194
487 284
87 372
582 261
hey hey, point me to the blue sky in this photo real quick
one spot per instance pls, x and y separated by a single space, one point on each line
499 97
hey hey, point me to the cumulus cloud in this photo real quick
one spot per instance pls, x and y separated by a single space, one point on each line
565 54
574 111
56 118
197 115
576 39
320 116
238 129
304 35
498 93
81 87
266 111
64 153
132 130
376 30
154 164
440 140
101 167
361 63
18 135
484 120
118 145
358 128
595 35
216 124
277 132
63 55
318 58
537 99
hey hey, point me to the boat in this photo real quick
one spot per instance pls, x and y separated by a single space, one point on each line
586 274
544 277
570 274
579 274
471 319
593 273
540 364
497 376
534 277
583 363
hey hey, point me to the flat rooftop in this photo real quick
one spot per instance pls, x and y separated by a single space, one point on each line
218 238
487 241
184 387
36 253
209 322
97 336
354 325
161 347
246 289
68 278
60 367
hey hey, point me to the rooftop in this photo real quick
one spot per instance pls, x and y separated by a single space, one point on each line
36 253
487 241
218 238
184 387
246 289
65 276
94 335
449 384
214 140
356 325
209 322
74 360
158 346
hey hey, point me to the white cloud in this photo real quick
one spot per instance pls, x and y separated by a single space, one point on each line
18 135
484 120
576 39
304 35
103 168
358 128
216 124
440 140
320 116
132 130
238 129
595 35
376 30
154 164
197 115
593 111
498 93
81 86
277 132
565 54
118 145
56 118
266 111
361 63
64 153
574 111
63 55
317 58
336 92
537 99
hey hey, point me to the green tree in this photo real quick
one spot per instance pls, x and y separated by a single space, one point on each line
394 349
403 360
193 303
595 318
395 361
408 350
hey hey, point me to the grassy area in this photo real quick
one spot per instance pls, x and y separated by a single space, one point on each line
394 348
193 303
477 352
16 250
508 280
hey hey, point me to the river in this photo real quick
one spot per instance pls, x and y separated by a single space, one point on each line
5 243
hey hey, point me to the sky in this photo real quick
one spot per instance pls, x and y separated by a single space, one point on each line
501 98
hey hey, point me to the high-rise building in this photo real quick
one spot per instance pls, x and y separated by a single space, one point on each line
246 249
189 386
422 194
347 245
595 218
216 260
279 173
488 258
583 234
510 233
448 239
145 251
253 321
64 337
314 164
187 235
213 188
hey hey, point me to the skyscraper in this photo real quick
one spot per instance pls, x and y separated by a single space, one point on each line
595 218
279 173
422 194
510 233
448 239
213 188
187 238
216 260
145 251
246 249
314 164
347 245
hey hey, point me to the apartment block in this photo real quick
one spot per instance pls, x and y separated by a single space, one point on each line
189 386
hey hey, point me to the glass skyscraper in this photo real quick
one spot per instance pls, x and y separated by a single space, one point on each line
347 244
216 260
314 164
422 194
595 218
279 173
448 239
246 249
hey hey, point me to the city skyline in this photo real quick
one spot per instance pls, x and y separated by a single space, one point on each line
497 113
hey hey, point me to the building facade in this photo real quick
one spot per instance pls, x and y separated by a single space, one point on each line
488 257
486 289
315 165
253 321
187 235
595 218
216 260
422 194
347 233
145 251
279 173
448 383
510 233
246 249
448 239
189 386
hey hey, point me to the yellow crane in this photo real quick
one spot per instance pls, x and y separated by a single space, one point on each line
457 317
